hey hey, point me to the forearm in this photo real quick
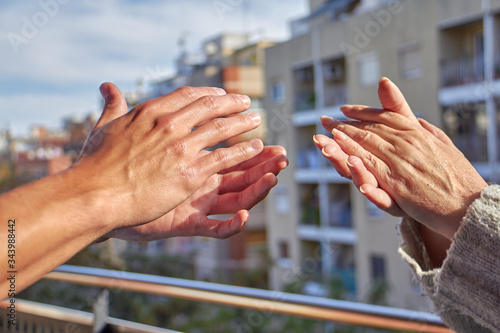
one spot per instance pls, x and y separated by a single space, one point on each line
55 218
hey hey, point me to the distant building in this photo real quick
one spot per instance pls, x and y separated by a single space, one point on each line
77 130
39 155
444 55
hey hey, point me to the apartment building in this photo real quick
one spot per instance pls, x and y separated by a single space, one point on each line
444 55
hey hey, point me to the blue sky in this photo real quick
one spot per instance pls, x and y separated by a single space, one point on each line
56 53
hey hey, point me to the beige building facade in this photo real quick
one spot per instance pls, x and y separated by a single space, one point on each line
445 57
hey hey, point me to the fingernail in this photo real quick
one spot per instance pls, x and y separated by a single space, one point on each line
361 190
349 164
255 117
314 139
325 153
104 89
219 91
384 78
256 144
245 99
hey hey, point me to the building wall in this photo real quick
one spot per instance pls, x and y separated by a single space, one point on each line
387 32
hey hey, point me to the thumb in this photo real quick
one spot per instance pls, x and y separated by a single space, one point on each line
392 99
115 105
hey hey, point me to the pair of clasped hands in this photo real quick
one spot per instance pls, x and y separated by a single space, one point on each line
156 160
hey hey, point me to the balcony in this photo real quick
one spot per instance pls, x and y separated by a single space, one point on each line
305 96
260 302
462 71
466 125
334 82
330 10
339 209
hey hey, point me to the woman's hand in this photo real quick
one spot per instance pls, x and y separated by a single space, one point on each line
149 160
412 162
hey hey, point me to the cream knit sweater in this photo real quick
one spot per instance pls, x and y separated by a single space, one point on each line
466 289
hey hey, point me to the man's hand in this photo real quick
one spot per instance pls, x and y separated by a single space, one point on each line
234 192
230 191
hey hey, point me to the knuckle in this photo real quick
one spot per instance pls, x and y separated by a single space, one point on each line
210 102
180 148
221 125
146 109
363 137
166 123
371 161
189 93
222 155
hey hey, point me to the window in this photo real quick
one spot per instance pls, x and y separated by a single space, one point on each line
278 92
378 268
410 60
334 86
284 260
281 199
369 68
305 97
283 248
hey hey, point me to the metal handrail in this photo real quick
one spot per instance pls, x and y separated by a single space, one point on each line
60 314
257 299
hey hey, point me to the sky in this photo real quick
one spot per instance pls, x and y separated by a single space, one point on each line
54 54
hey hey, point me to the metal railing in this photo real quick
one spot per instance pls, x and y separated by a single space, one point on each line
261 300
34 317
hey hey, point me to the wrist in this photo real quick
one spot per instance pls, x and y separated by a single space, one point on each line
89 201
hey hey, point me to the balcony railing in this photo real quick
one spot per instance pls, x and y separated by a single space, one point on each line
335 95
466 70
32 317
261 300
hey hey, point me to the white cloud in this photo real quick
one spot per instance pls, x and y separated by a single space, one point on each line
88 42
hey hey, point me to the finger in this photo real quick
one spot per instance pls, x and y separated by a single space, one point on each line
267 153
333 153
367 184
360 175
369 114
372 162
221 129
115 105
184 96
381 199
239 180
376 138
229 203
437 132
222 229
392 99
205 109
224 158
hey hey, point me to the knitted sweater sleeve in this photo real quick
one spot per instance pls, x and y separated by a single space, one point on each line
466 288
